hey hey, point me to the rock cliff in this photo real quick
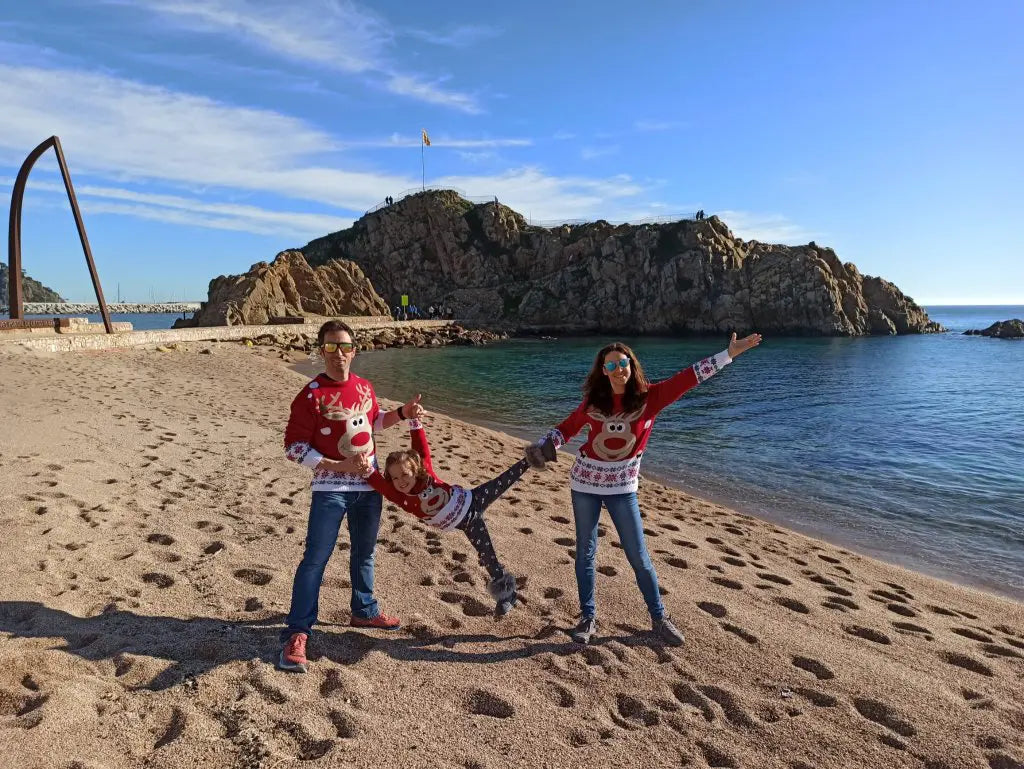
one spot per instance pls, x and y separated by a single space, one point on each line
688 276
34 290
288 286
1002 329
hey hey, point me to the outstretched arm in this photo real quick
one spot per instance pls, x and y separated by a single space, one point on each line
563 432
418 442
672 389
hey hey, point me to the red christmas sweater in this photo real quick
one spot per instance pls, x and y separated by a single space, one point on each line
439 504
335 420
609 461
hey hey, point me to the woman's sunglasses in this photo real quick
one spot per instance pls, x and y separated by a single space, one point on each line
336 346
612 365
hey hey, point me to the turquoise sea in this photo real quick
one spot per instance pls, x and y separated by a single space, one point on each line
910 449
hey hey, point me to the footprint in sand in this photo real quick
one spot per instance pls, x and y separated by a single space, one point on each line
883 714
209 526
716 757
750 638
792 604
974 635
156 578
481 702
252 576
818 669
160 539
630 712
726 582
559 695
867 633
966 662
471 607
714 609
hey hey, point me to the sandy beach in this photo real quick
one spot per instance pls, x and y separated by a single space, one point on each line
152 527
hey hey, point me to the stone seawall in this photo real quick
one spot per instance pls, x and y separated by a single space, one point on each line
84 308
370 333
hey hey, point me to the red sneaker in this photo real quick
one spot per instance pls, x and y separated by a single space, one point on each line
293 655
382 622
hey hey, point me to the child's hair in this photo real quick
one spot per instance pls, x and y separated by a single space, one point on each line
408 455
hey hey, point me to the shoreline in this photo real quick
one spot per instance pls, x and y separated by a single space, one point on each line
995 589
154 527
909 561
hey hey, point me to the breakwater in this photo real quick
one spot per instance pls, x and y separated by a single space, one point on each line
83 308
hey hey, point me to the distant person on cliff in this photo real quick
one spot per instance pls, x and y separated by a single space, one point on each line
620 406
410 482
330 431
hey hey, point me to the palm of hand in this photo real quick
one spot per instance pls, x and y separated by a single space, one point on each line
737 346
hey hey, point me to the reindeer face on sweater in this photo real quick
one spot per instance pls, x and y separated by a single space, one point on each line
433 498
354 422
616 439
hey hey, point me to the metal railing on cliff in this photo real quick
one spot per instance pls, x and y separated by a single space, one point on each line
546 223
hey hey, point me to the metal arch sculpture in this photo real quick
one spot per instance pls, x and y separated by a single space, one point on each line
16 295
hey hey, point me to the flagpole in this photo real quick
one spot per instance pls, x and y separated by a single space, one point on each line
423 162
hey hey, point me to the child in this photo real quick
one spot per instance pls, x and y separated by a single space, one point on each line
410 482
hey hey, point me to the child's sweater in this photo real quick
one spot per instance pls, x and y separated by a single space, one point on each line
439 504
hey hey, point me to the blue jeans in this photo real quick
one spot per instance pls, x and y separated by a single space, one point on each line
625 512
325 514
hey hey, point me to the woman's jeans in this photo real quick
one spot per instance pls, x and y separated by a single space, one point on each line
328 508
625 512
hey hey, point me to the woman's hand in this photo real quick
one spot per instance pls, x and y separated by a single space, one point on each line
738 346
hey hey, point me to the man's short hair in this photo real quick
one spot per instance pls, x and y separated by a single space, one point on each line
330 327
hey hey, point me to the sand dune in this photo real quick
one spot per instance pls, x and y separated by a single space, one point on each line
152 527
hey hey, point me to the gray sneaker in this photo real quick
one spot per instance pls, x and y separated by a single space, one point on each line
539 454
503 591
666 630
584 631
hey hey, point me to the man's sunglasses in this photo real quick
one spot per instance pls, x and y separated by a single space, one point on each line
336 346
612 365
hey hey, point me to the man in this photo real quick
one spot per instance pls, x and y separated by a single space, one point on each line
330 430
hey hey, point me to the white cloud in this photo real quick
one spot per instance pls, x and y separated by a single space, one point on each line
460 37
563 135
334 33
650 126
398 141
416 87
123 131
589 153
767 228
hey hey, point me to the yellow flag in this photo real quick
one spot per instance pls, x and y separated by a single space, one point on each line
426 139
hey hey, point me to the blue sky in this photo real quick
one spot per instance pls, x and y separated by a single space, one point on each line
206 135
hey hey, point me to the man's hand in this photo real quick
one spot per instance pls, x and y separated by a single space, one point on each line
738 346
357 464
413 409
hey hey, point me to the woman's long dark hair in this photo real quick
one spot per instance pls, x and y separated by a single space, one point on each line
597 389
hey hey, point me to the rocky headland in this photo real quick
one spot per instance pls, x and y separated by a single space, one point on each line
34 291
1002 329
288 287
486 262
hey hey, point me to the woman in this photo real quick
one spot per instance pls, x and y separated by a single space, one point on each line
620 406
